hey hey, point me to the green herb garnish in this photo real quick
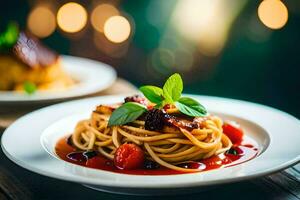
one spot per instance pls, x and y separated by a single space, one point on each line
9 37
128 112
172 88
169 94
190 107
29 87
153 93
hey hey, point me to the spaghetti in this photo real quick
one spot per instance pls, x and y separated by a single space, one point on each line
169 147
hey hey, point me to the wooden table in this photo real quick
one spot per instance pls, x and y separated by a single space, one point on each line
18 183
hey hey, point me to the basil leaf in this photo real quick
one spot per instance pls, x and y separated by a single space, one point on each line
152 93
190 107
160 105
9 37
29 87
128 112
173 88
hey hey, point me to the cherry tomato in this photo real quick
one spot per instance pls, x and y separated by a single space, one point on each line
234 132
150 106
129 156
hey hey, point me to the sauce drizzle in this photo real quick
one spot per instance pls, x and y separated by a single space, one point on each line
242 153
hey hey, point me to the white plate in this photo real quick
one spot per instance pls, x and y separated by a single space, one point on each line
276 133
92 77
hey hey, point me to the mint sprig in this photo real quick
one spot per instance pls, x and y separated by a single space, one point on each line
172 88
169 94
190 107
126 113
152 93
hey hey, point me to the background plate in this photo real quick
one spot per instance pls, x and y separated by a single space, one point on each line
92 77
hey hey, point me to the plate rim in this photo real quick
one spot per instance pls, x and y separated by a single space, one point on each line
174 185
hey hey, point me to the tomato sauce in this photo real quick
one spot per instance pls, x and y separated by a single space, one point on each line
239 153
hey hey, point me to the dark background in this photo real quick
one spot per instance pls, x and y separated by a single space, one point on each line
257 63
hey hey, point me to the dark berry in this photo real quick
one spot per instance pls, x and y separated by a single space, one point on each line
232 151
149 164
137 99
154 119
235 151
90 154
81 156
69 140
77 156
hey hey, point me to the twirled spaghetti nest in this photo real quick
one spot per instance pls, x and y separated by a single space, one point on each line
168 147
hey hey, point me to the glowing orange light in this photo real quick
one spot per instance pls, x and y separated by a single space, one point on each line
100 14
113 50
117 29
71 17
41 21
273 13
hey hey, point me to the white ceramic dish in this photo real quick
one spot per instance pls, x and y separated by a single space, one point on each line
92 76
276 133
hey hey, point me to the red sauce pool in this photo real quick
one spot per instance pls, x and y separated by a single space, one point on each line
245 151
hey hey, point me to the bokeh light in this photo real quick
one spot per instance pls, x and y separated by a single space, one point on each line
257 31
117 29
71 17
113 50
41 21
162 60
184 60
206 22
100 14
273 13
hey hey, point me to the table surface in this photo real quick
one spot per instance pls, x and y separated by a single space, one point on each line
18 183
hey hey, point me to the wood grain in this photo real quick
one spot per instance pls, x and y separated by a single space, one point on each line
287 182
3 196
12 187
273 190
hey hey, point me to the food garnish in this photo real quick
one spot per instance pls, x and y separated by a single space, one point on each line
161 134
9 37
170 94
129 156
29 87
